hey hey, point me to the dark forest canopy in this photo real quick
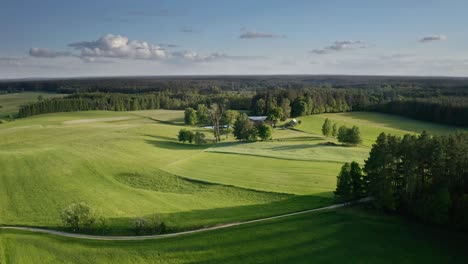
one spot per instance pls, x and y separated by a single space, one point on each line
208 84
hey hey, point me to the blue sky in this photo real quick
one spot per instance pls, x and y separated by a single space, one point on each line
103 38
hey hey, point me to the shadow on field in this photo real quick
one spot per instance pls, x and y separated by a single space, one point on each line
294 147
303 138
196 219
160 137
172 145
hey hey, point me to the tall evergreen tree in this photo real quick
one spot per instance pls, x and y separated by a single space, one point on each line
327 127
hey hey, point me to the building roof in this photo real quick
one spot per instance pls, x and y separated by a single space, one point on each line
258 118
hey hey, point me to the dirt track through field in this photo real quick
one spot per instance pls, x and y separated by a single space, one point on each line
134 238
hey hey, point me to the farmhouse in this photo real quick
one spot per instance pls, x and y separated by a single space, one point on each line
258 119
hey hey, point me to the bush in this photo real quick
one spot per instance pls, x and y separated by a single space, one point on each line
78 215
139 225
199 138
185 135
264 132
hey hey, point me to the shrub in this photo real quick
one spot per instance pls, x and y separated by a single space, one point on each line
139 225
185 135
199 138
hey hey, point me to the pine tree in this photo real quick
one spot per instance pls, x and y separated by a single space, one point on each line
344 183
327 127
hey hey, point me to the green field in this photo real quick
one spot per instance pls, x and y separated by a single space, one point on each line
372 124
129 164
11 102
335 236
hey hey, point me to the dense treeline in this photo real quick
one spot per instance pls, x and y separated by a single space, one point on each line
423 176
405 86
445 110
129 102
442 100
441 109
315 101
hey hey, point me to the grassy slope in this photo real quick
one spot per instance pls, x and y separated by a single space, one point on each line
372 124
125 165
10 102
296 162
338 236
112 161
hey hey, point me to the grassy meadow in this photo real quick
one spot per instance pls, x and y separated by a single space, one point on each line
128 165
349 235
12 101
372 124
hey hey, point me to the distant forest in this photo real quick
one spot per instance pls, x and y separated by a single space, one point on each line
436 99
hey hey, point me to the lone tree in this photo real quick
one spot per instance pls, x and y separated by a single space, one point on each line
185 135
264 132
78 215
216 112
327 127
244 129
190 116
349 135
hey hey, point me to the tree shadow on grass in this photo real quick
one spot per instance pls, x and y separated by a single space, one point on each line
302 138
195 219
172 145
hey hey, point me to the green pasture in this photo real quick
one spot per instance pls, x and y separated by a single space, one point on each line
335 236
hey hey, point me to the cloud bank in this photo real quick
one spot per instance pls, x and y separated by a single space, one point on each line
117 46
110 47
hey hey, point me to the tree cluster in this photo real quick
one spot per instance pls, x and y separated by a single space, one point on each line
344 134
348 135
423 176
246 130
190 137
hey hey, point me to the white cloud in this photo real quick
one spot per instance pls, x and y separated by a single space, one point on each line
340 46
47 53
117 46
433 38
